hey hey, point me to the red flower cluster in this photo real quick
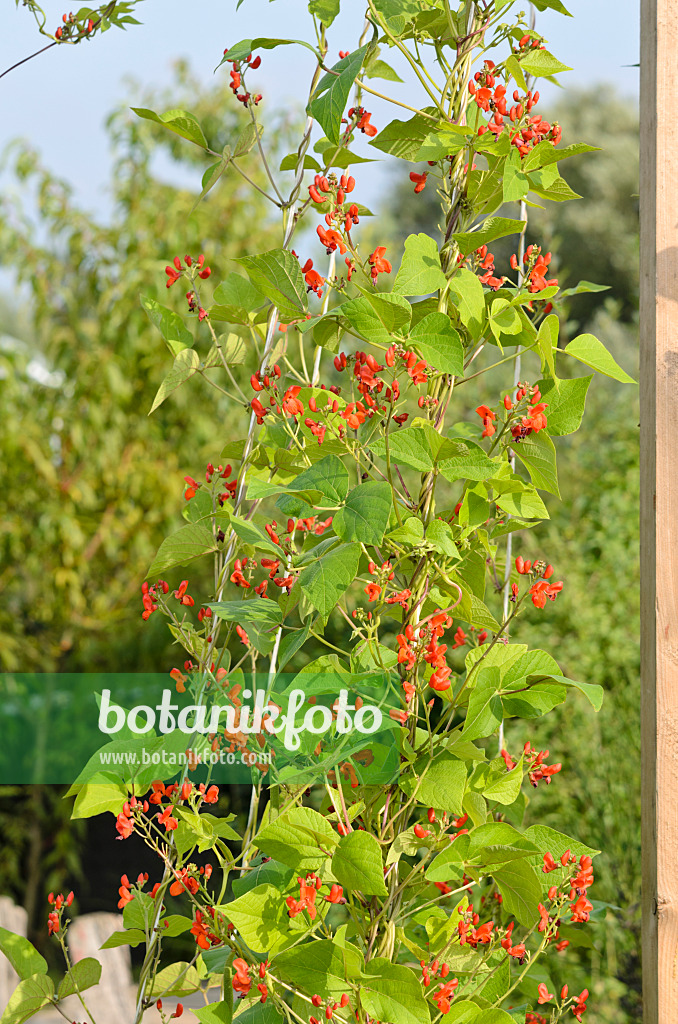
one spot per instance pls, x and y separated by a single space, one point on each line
517 951
148 596
308 890
71 30
237 81
175 272
536 266
484 260
59 903
362 117
491 98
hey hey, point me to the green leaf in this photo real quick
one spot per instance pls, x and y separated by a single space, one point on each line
357 864
397 13
554 5
439 783
97 798
377 317
247 138
300 838
184 546
521 891
84 974
548 840
365 515
323 967
410 446
170 325
130 937
547 342
463 1011
249 533
445 142
467 293
504 318
538 453
420 271
504 790
326 580
28 997
277 275
492 228
438 342
268 871
494 1015
484 712
515 183
392 992
440 536
328 475
325 10
215 1013
583 287
179 979
590 351
380 69
404 138
289 163
471 462
592 691
181 122
558 191
258 1014
528 663
22 955
332 93
239 297
212 176
291 643
245 47
542 64
526 504
186 364
545 153
265 614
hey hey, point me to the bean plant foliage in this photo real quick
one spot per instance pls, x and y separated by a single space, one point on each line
371 489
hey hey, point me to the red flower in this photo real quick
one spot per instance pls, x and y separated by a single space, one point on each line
200 932
544 995
444 994
306 901
241 981
290 403
580 1006
549 863
124 825
378 263
336 895
313 279
53 924
460 638
165 818
331 239
419 180
581 910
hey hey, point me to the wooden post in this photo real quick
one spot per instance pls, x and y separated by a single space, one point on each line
659 505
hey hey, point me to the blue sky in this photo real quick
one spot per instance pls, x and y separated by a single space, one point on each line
60 99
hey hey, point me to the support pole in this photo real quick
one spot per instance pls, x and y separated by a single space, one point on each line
659 505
